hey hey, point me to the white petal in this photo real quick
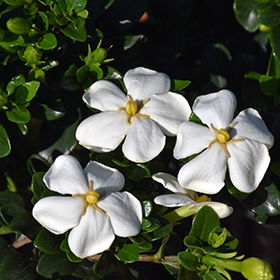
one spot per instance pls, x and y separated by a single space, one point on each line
144 141
216 108
104 178
168 110
66 176
192 138
206 172
141 83
102 132
125 213
251 126
247 165
173 200
57 213
221 209
169 181
105 96
94 234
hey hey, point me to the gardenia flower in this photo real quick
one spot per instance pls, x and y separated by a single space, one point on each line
184 197
95 210
242 144
144 115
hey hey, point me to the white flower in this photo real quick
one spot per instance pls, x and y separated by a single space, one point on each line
95 211
144 115
184 197
242 144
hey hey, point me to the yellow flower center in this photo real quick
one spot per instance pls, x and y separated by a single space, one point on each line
131 107
92 197
223 136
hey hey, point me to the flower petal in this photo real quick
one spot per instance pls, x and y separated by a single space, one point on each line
141 83
104 178
221 209
66 176
102 132
168 110
216 108
125 213
248 163
144 141
192 138
250 125
206 172
57 213
173 200
94 234
105 96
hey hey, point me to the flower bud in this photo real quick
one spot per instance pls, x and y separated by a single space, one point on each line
256 269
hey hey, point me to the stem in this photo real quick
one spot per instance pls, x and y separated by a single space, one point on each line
180 213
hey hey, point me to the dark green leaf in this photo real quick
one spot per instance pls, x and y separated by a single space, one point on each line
26 92
76 30
204 222
83 73
269 14
10 210
14 83
48 41
246 12
275 43
150 224
141 242
129 253
48 242
69 80
147 207
5 146
16 3
18 114
185 274
188 260
112 74
51 264
75 5
10 197
38 184
268 85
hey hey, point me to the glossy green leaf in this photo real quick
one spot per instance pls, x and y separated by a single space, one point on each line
178 85
75 30
188 260
37 184
32 55
25 224
18 114
5 146
112 74
246 12
83 73
75 5
50 64
141 242
204 222
48 41
10 197
50 264
147 207
17 267
14 83
26 92
48 242
83 14
9 211
131 40
18 25
268 85
150 224
11 40
269 14
129 253
15 3
213 275
45 20
275 43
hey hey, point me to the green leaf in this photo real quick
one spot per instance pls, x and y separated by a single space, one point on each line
69 80
268 85
269 14
129 253
48 41
18 114
246 12
14 83
37 184
15 3
48 242
9 211
178 85
17 267
188 261
83 73
50 264
147 207
75 5
5 146
26 92
25 224
141 242
275 43
150 224
10 197
76 30
204 222
18 25
275 168
32 55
